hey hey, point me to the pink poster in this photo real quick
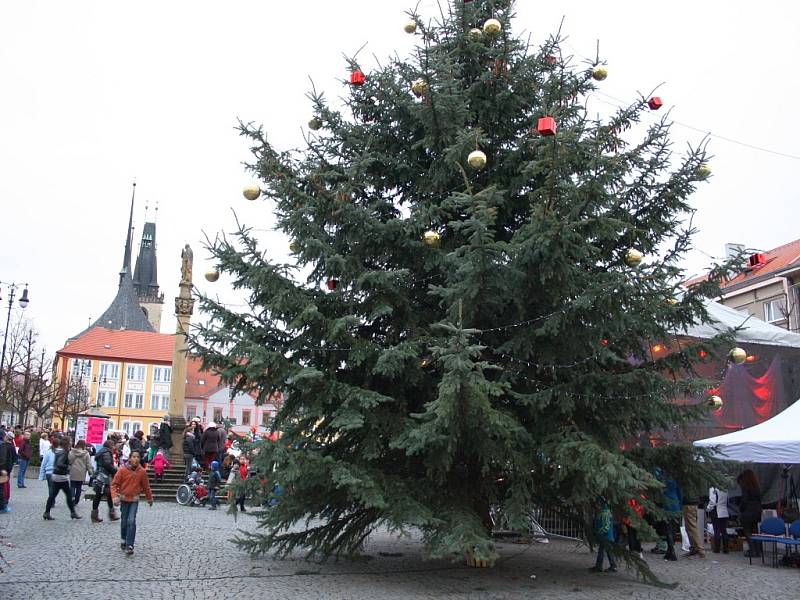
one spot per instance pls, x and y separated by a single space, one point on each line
95 430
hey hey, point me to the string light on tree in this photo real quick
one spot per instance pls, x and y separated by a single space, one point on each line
251 192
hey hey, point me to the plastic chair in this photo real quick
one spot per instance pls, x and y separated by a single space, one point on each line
773 526
794 529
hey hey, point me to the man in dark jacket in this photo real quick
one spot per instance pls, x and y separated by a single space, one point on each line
135 442
8 456
165 436
25 452
102 481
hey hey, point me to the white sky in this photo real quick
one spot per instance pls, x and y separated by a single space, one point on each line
97 94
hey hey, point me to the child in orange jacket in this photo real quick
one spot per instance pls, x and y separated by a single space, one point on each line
128 485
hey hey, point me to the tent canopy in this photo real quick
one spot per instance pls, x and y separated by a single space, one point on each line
776 440
754 331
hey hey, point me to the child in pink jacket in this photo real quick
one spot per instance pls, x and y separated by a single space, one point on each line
160 462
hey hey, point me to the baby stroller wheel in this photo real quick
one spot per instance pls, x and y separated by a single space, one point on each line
183 495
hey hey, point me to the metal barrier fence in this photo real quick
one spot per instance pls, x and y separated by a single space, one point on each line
542 523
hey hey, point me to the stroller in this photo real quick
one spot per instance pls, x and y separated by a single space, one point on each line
193 492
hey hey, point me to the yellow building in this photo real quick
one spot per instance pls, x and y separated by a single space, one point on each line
124 373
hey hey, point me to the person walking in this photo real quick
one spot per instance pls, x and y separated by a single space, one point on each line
222 440
106 470
46 468
750 509
239 473
165 436
672 505
128 485
60 479
8 456
25 453
80 464
135 442
604 536
718 512
44 443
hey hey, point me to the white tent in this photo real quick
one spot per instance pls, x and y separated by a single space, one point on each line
754 331
776 440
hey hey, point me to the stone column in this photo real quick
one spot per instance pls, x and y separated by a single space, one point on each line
184 306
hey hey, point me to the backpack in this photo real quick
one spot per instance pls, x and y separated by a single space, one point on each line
61 464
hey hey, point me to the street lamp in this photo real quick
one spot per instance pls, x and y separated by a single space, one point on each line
23 303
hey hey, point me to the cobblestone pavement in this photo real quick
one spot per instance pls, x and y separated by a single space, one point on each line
186 553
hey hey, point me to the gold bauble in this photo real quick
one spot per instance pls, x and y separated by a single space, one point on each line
212 275
294 246
410 27
599 73
672 301
633 257
431 238
476 159
738 355
492 27
251 192
703 170
315 123
419 87
475 33
715 401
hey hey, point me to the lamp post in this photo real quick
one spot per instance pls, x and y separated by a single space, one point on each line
23 302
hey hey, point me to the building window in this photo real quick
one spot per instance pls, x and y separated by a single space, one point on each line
266 418
164 402
101 399
126 427
217 416
245 417
774 310
139 401
128 402
109 371
81 367
136 373
136 426
162 374
191 412
108 399
154 402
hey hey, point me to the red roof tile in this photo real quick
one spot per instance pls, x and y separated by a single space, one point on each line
127 345
195 389
777 259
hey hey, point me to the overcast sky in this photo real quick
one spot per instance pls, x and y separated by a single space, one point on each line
97 94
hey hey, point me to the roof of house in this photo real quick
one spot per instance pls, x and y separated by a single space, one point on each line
126 344
194 376
777 260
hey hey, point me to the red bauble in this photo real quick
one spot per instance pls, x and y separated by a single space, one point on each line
655 103
550 59
332 284
357 77
604 342
547 126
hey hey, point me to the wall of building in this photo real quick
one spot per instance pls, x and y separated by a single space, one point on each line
753 302
241 410
108 382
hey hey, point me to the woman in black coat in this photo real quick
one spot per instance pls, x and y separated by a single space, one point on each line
750 509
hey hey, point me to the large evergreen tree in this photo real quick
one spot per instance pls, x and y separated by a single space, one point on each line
507 362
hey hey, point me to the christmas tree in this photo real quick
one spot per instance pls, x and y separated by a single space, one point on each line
480 270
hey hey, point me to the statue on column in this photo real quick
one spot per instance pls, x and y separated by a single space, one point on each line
186 264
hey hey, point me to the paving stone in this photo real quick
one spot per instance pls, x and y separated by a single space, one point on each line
187 553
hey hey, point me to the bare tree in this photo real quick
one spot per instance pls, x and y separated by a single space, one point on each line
24 383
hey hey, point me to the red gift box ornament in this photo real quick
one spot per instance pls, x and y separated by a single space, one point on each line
333 284
357 77
655 103
547 126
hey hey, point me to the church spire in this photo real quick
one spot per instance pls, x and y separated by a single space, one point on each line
126 260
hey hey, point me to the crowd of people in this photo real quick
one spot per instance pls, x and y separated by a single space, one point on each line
609 530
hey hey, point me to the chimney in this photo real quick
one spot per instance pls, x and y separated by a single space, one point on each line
732 250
